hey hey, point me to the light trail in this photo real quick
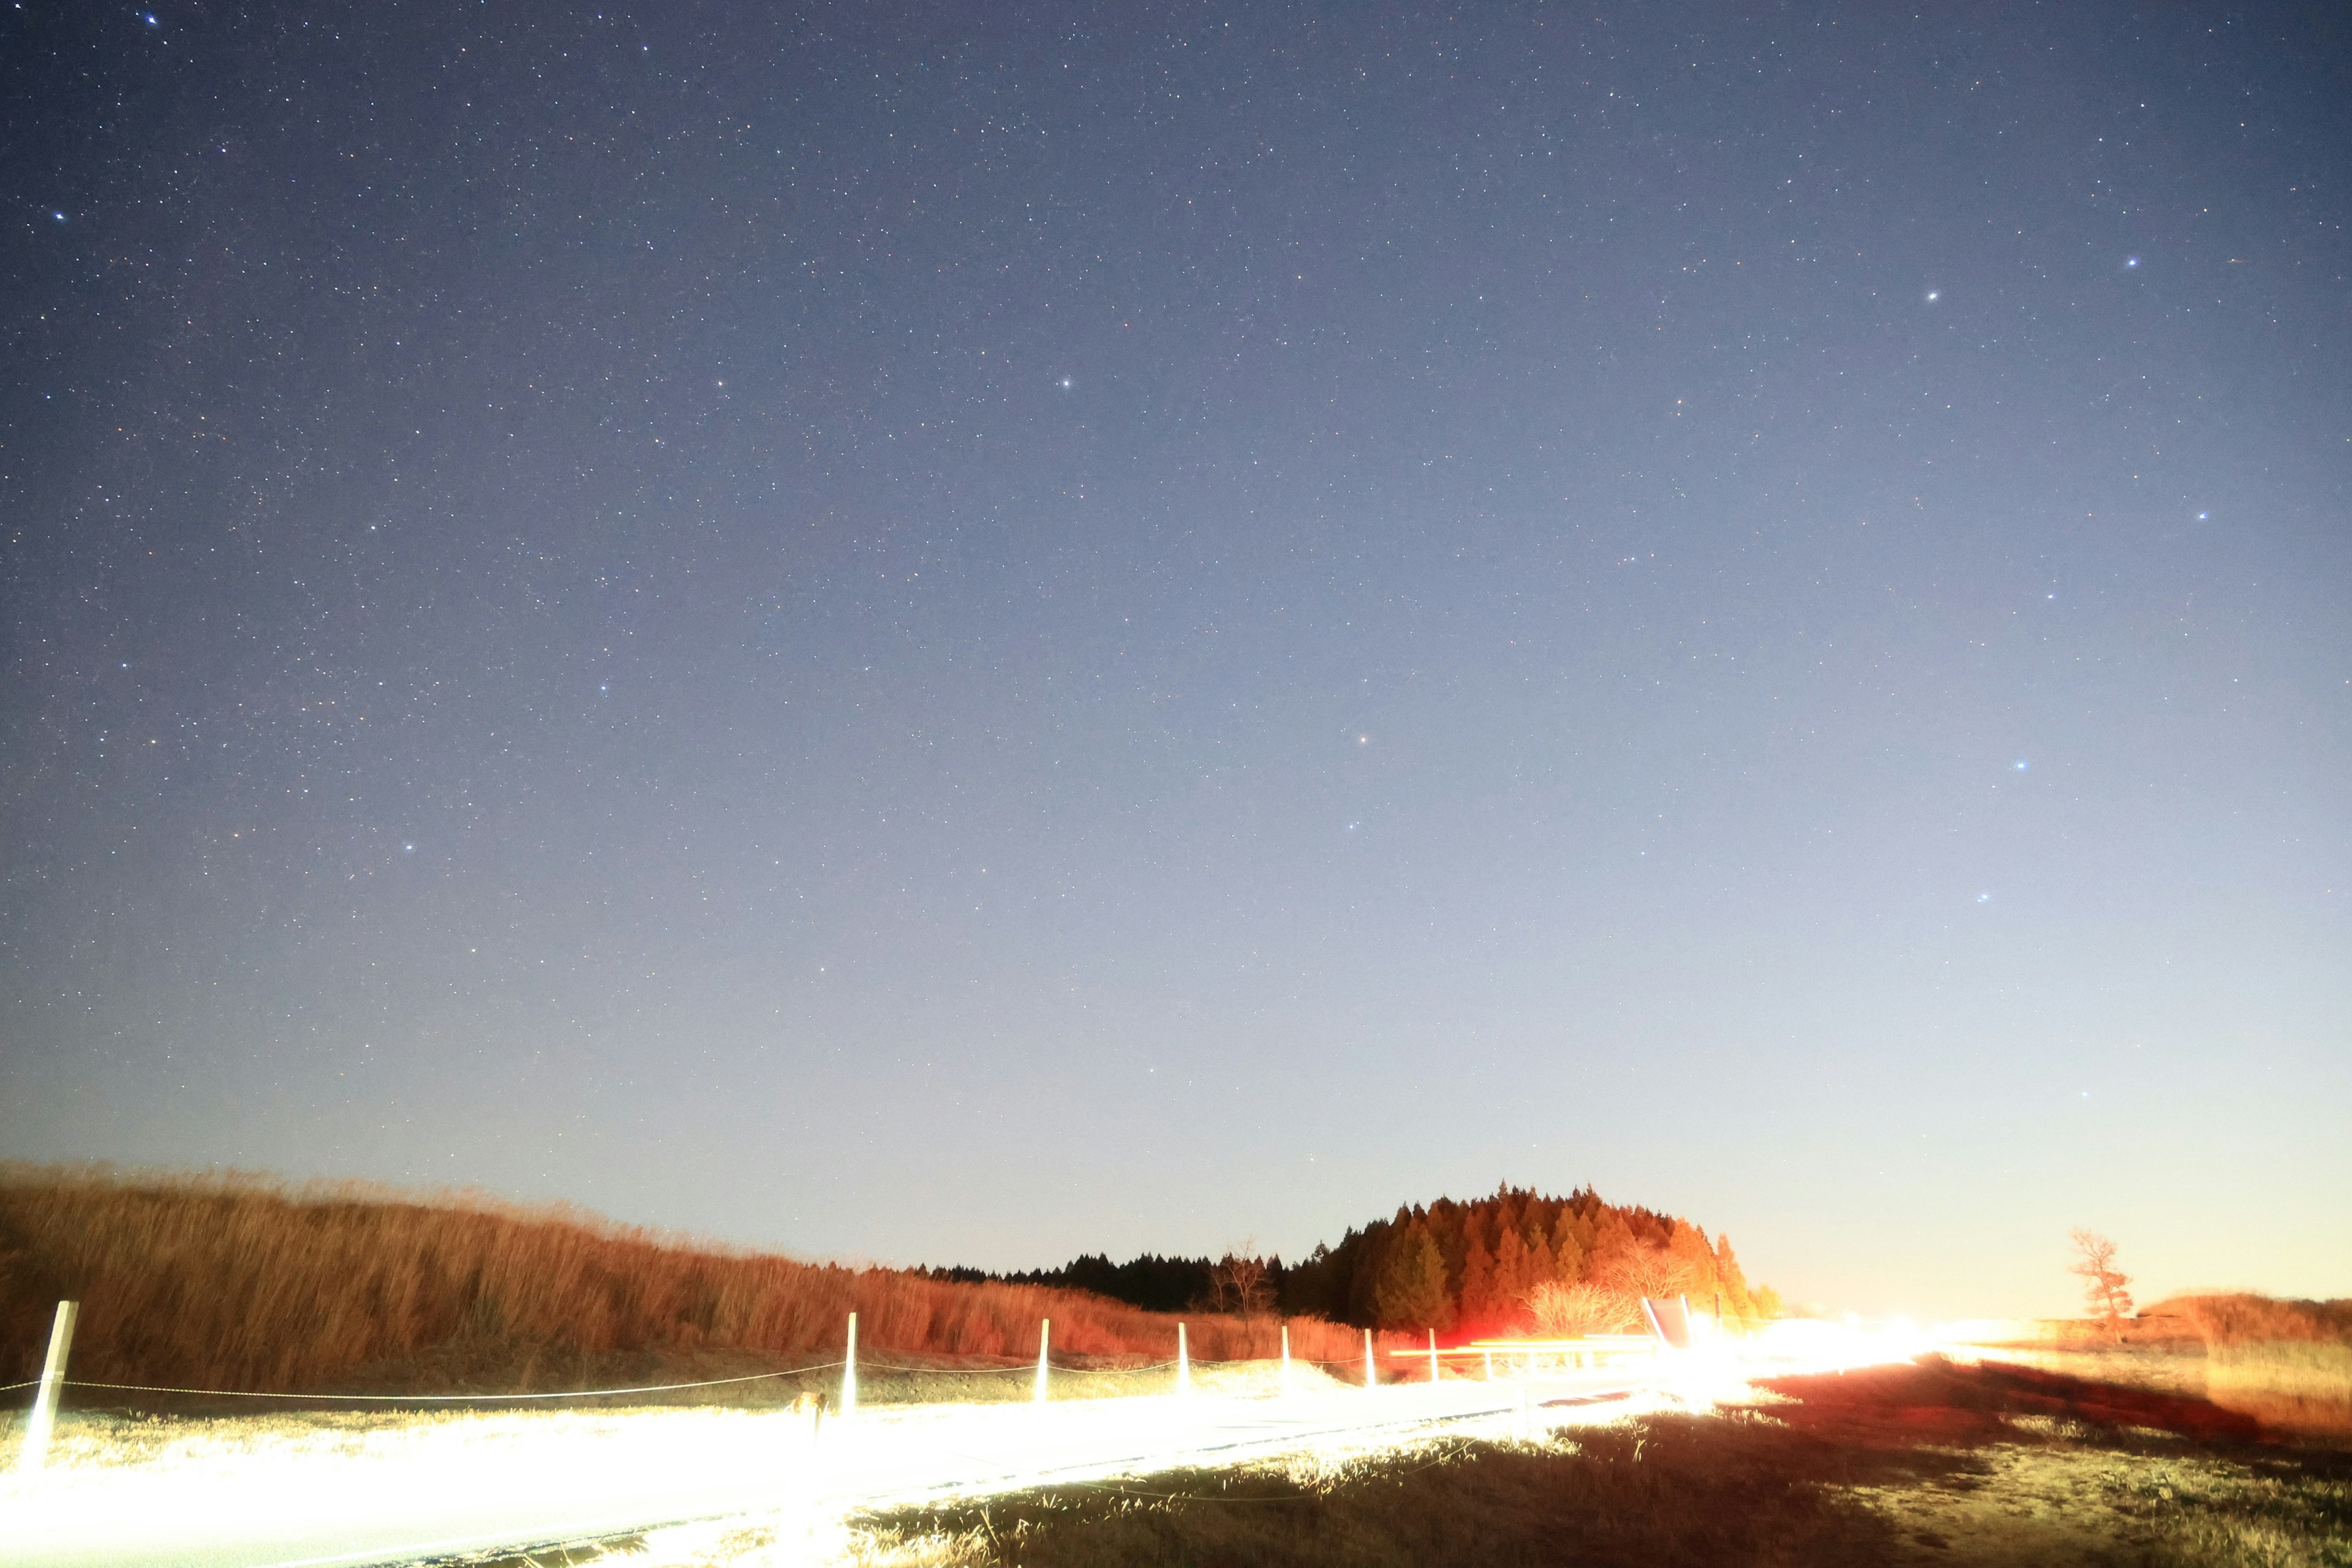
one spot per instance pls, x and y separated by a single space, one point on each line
512 1482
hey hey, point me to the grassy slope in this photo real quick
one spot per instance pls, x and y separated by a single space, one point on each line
241 1283
1986 1465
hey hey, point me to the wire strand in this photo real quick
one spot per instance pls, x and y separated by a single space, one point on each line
448 1398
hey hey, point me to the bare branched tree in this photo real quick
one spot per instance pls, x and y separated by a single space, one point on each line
1565 1311
1240 1283
1645 1268
2105 1288
1610 1300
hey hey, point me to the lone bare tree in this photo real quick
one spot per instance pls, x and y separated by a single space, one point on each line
1239 1282
2105 1288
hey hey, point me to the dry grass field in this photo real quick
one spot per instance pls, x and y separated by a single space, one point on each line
2287 1363
241 1283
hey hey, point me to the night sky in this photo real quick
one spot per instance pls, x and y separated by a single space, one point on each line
970 632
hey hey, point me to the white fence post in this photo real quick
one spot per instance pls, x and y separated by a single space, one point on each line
1285 1358
35 1452
1183 1361
1433 1355
1371 1378
1044 1334
849 1369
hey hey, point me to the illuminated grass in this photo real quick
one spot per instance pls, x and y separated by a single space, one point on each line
1958 1466
236 1282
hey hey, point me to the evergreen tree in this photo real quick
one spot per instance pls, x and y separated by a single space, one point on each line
1568 1247
1732 1282
1513 1279
1369 1251
1508 1214
1445 1227
1476 1299
1689 1247
1541 1268
1612 1239
1411 1289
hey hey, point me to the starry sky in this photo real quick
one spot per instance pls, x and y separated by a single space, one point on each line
935 633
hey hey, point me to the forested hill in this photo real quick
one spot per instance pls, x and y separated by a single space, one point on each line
1516 1260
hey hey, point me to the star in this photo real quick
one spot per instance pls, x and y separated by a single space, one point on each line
2018 764
2131 262
1065 384
1934 295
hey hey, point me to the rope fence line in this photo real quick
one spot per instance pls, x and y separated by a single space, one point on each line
1026 1369
1020 1370
1029 1368
435 1398
1182 1364
655 1388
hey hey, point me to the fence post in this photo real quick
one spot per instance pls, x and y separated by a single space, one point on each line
1371 1376
1045 1336
1183 1361
35 1452
1285 1358
1433 1355
849 1369
1490 1366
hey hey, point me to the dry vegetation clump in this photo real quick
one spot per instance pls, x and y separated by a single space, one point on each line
2239 1317
2293 1387
239 1282
2287 1363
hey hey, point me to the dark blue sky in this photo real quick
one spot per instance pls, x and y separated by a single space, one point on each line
946 635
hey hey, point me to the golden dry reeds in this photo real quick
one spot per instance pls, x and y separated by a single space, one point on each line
2287 1363
241 1282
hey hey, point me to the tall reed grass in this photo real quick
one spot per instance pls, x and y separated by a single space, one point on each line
242 1282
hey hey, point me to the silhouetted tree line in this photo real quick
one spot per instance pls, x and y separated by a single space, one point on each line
1155 1283
1516 1260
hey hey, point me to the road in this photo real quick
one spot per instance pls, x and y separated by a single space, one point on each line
470 1484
